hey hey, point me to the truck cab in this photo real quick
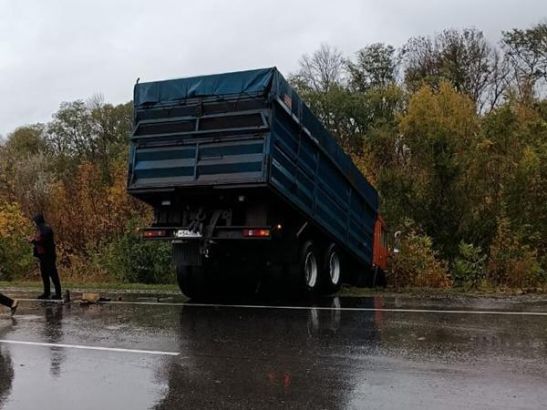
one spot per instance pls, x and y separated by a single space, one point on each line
380 252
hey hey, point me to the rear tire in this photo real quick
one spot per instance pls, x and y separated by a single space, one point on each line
192 281
308 268
331 270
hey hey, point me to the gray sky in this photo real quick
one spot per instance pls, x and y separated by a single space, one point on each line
62 50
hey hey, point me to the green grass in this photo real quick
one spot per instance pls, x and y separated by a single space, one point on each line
434 292
346 291
127 287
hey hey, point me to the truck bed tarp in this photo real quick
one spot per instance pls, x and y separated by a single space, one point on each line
255 82
243 82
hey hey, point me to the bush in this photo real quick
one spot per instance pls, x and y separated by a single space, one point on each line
511 263
84 210
129 258
469 265
417 265
75 267
15 253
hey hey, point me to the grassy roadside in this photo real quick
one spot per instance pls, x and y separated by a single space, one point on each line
440 292
110 286
345 291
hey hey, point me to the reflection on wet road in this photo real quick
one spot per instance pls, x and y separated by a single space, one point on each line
427 354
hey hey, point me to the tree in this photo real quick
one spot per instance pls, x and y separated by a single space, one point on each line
375 67
33 179
499 83
92 131
71 130
438 129
320 71
464 59
15 255
24 173
111 126
25 141
87 211
420 63
379 136
512 263
527 52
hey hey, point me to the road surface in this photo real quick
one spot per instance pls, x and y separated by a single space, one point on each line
334 353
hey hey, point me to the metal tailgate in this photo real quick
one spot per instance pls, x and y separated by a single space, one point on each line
175 163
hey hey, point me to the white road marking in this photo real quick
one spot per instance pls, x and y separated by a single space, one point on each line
82 347
348 309
345 309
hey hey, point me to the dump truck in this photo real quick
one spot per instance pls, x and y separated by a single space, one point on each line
242 176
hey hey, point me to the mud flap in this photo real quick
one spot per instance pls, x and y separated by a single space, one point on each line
187 253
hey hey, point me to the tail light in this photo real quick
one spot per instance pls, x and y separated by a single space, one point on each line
155 233
256 233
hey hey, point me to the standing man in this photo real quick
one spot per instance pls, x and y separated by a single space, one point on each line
8 302
44 250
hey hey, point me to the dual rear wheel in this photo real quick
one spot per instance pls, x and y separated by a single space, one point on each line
320 272
317 271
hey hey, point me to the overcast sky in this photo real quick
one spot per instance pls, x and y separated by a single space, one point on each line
62 50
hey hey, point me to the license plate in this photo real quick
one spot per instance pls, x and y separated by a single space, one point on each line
185 233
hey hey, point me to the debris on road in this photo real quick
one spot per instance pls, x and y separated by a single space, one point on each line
90 297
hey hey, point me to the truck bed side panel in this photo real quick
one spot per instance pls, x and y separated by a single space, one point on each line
308 178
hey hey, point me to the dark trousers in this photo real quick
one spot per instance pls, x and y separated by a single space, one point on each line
48 269
4 300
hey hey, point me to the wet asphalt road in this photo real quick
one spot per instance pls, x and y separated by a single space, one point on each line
378 353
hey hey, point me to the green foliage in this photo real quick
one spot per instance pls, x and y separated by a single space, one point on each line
131 259
469 265
91 131
462 58
437 129
25 141
511 263
341 111
417 264
70 132
375 67
527 51
508 167
15 252
23 166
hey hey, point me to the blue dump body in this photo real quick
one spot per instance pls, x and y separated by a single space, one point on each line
249 129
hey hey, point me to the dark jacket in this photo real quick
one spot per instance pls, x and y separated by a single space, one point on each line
44 243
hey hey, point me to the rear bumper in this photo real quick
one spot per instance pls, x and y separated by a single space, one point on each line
219 234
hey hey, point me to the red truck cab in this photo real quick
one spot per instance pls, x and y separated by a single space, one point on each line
380 251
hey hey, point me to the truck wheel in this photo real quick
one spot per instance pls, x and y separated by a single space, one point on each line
331 272
309 267
191 281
